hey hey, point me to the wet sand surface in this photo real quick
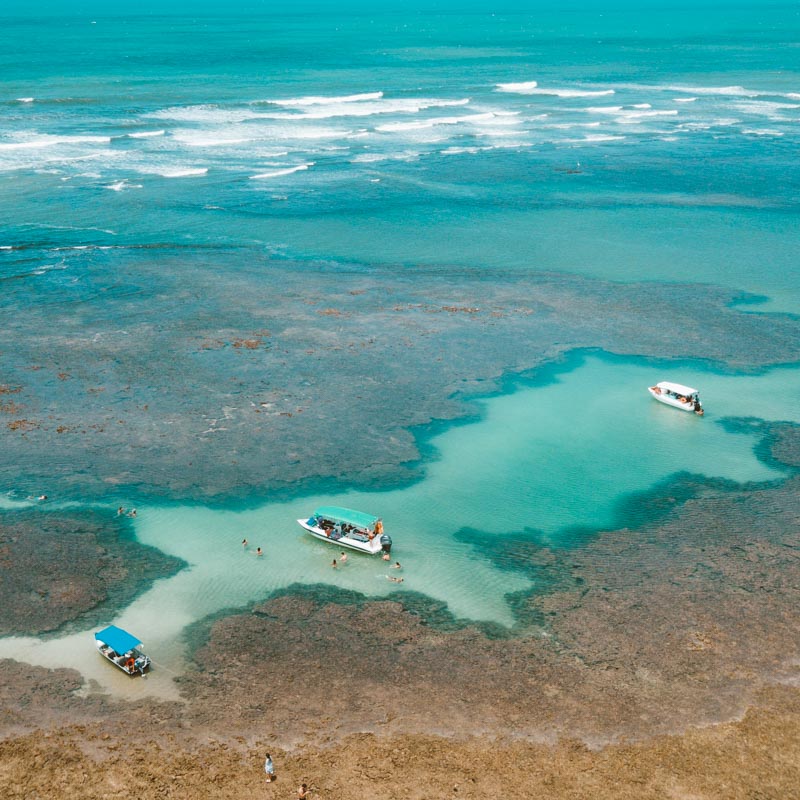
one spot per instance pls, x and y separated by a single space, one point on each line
755 757
675 678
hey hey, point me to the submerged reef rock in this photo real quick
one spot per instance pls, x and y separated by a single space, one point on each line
700 619
268 370
59 567
677 673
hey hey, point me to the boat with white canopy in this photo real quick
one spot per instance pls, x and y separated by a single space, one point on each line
348 528
678 396
122 650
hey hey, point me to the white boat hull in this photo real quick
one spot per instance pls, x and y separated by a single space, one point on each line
369 546
673 401
131 665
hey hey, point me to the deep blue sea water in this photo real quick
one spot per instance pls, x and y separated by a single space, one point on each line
628 142
624 141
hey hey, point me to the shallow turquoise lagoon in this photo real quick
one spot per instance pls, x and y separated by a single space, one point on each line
546 458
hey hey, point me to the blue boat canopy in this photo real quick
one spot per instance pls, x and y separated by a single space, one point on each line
118 640
346 515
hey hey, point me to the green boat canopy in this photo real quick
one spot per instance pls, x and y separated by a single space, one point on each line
346 515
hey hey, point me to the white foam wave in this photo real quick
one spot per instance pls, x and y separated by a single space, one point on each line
24 99
519 88
532 87
628 117
762 132
40 142
207 139
469 119
765 108
299 102
396 106
145 134
603 109
601 137
733 91
721 122
281 172
565 126
118 186
454 151
572 92
175 172
371 158
684 99
202 113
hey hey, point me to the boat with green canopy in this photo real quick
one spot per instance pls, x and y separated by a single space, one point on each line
122 650
348 528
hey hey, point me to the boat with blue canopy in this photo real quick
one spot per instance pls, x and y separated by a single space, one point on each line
122 650
348 528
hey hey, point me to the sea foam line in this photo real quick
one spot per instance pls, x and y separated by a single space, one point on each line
532 87
520 88
52 141
732 91
320 100
280 172
176 172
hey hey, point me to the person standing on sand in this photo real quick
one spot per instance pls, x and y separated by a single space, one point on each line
269 768
302 792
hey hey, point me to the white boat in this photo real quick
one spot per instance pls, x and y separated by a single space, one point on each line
348 528
678 396
122 650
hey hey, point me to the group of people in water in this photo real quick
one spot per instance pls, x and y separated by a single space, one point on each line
246 544
342 560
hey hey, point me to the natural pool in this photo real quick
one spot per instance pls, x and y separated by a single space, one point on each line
545 458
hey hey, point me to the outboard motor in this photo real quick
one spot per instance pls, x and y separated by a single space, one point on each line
386 543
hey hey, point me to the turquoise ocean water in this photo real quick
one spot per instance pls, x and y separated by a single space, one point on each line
626 142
